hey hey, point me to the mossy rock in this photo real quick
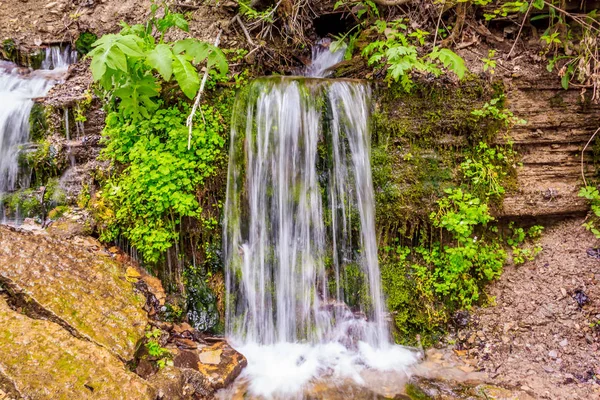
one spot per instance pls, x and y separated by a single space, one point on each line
82 290
41 360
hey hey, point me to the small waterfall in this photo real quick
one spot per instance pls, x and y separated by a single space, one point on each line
323 59
302 276
18 89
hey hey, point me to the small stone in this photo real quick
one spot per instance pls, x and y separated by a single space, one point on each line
589 338
547 368
563 291
553 354
564 343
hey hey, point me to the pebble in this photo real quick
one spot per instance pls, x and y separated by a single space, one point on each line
564 343
553 354
548 368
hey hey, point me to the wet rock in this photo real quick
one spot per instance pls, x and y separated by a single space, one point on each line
461 318
423 388
82 290
145 368
170 384
42 361
221 364
186 359
580 297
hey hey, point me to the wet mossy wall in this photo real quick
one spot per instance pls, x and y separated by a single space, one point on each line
419 140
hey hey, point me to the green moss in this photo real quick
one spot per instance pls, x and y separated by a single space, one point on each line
419 141
415 392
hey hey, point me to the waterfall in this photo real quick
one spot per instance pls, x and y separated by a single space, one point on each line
302 275
18 89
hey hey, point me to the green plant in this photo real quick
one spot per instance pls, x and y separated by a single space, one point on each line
524 244
486 169
127 64
591 193
155 350
494 109
399 57
489 63
157 188
459 270
364 8
84 42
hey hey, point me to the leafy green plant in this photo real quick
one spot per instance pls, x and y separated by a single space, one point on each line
486 169
128 64
400 57
524 243
591 193
459 270
157 188
155 350
489 64
494 109
365 8
84 42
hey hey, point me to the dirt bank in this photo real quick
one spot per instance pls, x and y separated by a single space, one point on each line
540 336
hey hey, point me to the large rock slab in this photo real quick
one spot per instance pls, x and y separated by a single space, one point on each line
75 286
41 360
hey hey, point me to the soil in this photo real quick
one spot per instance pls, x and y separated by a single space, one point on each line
540 335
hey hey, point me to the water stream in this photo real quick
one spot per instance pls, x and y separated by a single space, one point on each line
304 296
18 89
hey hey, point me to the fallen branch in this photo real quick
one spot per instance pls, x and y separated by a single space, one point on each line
582 153
190 119
244 29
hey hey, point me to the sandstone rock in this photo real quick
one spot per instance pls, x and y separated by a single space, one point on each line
230 364
41 360
170 384
210 368
84 291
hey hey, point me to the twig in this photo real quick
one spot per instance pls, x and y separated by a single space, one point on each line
246 33
582 152
520 28
437 26
576 18
190 119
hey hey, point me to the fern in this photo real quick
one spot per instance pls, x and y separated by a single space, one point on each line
398 54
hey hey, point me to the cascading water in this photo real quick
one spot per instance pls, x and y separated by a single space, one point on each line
18 89
302 275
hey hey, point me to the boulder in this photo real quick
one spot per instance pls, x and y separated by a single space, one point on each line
41 360
76 286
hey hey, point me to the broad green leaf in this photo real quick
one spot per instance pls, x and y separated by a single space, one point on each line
161 59
217 59
450 60
196 49
186 75
110 53
201 51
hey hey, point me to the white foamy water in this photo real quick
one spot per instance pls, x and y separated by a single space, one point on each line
323 59
286 370
304 296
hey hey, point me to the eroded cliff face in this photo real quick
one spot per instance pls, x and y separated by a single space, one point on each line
559 124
